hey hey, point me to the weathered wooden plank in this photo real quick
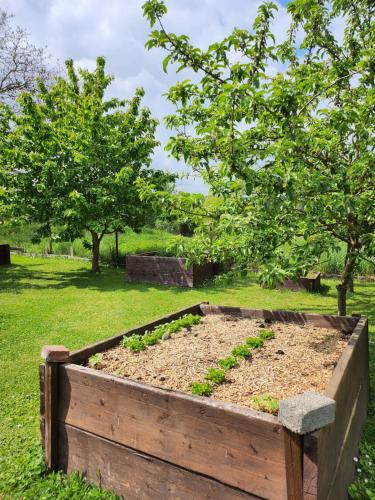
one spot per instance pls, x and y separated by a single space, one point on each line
293 464
42 403
81 355
237 446
337 443
166 270
50 408
310 467
319 320
135 475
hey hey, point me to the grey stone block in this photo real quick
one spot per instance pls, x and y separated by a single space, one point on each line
306 412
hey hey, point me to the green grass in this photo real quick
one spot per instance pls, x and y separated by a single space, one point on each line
54 301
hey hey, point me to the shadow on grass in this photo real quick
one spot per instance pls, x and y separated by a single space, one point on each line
17 278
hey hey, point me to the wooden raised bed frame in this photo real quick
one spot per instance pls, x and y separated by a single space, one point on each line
146 442
309 283
151 268
4 255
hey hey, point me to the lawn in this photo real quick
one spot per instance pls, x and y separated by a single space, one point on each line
55 301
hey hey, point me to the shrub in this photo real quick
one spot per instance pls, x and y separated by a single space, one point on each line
201 389
216 375
227 363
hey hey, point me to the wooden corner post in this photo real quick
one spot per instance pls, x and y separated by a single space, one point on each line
301 415
53 355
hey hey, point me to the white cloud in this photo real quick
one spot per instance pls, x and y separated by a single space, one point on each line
84 29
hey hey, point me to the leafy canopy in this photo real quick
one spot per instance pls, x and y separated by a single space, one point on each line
291 153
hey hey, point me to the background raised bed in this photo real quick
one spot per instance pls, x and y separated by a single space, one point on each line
151 268
4 255
310 283
149 442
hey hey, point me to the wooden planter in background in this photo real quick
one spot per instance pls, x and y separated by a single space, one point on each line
151 268
309 283
4 255
147 442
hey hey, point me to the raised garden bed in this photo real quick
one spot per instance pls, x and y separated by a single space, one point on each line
311 283
151 268
4 255
145 439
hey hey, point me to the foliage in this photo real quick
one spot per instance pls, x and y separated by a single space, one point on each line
241 351
201 388
290 154
364 486
266 403
227 363
96 360
35 295
265 334
134 343
77 158
137 343
254 342
215 375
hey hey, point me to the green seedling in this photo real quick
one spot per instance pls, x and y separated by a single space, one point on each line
150 338
254 342
215 375
266 334
201 388
95 361
227 363
134 343
267 404
241 351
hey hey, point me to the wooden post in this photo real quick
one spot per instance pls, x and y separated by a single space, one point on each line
116 243
53 355
293 464
301 415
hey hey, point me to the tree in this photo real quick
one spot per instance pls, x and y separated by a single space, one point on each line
292 155
21 62
78 155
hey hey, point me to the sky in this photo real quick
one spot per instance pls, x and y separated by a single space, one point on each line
116 29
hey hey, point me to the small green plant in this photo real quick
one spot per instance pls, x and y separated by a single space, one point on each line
95 361
254 342
241 351
138 343
266 334
150 338
215 375
227 363
267 404
134 343
201 388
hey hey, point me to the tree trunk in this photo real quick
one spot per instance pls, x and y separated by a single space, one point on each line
347 278
95 267
116 247
351 284
50 249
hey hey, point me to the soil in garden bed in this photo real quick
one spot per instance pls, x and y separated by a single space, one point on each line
297 359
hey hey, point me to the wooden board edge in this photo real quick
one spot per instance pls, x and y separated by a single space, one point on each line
111 454
319 320
360 331
163 392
